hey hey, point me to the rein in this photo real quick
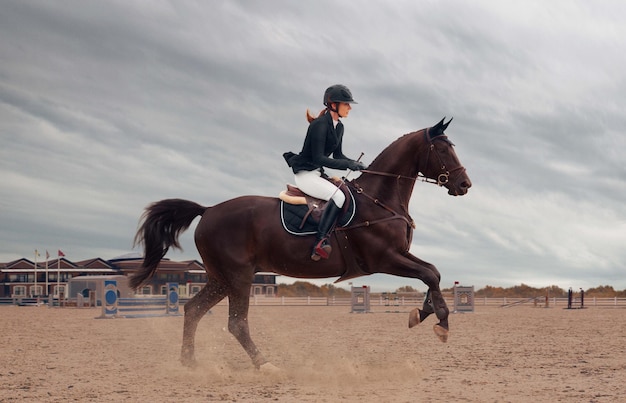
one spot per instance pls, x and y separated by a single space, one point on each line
407 218
442 179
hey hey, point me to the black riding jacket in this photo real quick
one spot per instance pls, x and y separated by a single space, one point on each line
322 139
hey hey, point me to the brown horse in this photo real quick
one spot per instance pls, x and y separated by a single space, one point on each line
242 236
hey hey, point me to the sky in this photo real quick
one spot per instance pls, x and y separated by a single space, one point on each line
106 107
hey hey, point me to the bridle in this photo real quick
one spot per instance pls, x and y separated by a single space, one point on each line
442 179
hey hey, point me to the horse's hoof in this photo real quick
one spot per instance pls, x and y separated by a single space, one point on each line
188 362
414 318
441 332
269 368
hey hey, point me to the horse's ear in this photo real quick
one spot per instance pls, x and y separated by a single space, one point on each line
439 128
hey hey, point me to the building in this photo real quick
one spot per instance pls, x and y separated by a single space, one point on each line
264 284
189 275
24 278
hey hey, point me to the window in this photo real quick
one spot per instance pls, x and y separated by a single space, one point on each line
147 290
197 278
270 291
258 290
194 290
52 277
35 291
19 291
169 277
59 289
18 278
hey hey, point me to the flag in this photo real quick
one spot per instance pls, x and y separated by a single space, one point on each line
61 253
37 253
47 255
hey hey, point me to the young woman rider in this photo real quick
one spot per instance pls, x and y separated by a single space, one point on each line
323 139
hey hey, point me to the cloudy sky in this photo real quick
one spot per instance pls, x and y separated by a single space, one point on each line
106 107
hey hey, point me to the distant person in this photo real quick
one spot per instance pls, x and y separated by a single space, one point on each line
323 138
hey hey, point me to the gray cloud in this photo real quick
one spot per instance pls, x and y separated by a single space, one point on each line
106 107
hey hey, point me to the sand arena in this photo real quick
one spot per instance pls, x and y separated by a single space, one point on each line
517 354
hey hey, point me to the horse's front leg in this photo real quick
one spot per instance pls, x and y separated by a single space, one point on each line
417 315
407 265
195 309
441 310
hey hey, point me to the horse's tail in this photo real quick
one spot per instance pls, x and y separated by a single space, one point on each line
162 222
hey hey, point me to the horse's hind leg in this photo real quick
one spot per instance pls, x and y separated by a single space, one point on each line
212 293
238 325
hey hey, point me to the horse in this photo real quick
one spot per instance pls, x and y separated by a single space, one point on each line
242 236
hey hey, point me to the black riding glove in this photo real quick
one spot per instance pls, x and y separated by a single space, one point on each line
356 166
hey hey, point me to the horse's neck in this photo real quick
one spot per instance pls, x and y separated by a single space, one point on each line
399 163
393 191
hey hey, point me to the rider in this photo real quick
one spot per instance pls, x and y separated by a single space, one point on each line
323 138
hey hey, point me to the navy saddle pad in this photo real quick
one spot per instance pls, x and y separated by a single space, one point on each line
292 215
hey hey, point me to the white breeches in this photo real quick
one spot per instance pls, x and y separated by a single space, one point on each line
311 183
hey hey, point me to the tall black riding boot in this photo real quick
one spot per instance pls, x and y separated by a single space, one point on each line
322 247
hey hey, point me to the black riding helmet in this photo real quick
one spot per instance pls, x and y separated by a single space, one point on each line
338 93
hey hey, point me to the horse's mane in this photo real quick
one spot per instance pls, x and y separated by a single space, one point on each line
311 118
402 139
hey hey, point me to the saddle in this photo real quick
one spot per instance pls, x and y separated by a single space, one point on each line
301 213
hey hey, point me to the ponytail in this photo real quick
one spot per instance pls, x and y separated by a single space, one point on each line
310 117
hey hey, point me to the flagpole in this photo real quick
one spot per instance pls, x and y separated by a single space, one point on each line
47 257
59 278
36 253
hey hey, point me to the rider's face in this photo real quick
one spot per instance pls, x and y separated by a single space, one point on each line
343 109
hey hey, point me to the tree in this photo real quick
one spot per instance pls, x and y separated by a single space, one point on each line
406 288
603 291
306 289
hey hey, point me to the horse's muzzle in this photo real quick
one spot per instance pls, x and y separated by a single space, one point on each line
460 186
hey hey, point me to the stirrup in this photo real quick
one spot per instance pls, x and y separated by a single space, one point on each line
321 250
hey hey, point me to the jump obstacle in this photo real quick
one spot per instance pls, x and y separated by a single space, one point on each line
463 299
570 299
115 307
520 302
360 300
391 299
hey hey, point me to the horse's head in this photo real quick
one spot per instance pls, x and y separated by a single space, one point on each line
442 164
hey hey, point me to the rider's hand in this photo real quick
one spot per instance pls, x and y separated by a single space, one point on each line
356 166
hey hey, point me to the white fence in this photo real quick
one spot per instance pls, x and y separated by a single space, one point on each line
559 302
417 301
408 301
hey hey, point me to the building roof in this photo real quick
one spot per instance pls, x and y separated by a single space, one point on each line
97 265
